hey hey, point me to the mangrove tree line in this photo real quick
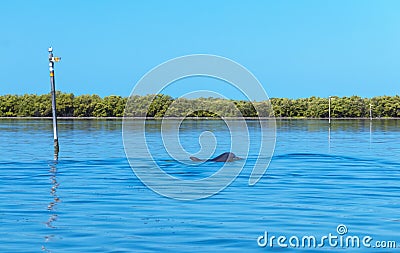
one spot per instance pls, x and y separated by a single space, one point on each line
69 105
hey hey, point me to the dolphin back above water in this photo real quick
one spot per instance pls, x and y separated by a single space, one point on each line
224 157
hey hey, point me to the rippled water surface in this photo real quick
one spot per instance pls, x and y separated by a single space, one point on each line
91 201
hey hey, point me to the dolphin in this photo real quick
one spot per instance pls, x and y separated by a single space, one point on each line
224 157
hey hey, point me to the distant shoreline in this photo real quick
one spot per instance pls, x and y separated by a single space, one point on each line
160 105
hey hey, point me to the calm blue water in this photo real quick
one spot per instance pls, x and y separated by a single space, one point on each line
91 201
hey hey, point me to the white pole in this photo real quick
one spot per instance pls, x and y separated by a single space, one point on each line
329 116
53 59
370 111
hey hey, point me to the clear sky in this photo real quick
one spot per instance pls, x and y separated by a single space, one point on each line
295 48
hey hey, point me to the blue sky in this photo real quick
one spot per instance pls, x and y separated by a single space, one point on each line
295 48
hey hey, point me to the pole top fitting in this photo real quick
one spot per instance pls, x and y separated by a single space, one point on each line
50 49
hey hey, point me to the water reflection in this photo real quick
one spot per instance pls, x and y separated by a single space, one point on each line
370 132
361 126
91 125
64 125
329 138
51 207
338 125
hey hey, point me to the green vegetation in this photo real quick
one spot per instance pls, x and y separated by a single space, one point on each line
160 105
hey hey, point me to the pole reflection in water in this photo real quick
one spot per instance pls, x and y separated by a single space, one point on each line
329 138
51 207
370 133
56 150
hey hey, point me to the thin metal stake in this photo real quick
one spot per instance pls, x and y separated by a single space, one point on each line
329 116
53 59
370 111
